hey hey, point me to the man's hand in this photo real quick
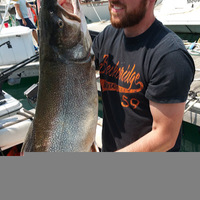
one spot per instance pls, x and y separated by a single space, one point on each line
33 6
24 22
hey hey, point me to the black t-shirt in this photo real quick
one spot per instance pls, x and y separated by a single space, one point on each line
152 66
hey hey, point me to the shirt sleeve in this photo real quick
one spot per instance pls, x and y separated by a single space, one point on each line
15 2
171 79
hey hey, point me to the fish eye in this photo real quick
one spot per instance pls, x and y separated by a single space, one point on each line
60 23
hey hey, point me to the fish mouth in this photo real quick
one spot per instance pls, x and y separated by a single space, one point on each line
67 5
70 9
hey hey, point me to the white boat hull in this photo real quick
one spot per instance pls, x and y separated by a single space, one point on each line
8 106
13 130
21 45
181 16
95 11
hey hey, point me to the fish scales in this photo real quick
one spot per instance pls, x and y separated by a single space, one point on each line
67 105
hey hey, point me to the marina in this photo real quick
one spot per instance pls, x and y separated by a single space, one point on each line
17 123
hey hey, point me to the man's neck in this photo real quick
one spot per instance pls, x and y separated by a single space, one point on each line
140 28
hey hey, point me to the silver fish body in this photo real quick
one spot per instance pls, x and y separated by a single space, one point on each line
67 105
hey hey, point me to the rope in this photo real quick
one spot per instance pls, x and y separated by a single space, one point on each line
96 12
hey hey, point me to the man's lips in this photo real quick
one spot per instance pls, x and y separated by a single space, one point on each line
116 8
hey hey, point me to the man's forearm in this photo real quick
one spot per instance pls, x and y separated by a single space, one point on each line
151 142
167 120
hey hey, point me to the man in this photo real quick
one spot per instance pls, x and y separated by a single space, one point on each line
22 16
145 75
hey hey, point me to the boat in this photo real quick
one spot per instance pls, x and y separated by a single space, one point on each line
181 16
95 11
14 119
8 105
14 122
18 59
192 111
16 46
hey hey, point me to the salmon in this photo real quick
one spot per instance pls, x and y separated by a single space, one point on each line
67 105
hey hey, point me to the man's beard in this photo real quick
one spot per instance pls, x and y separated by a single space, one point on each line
131 18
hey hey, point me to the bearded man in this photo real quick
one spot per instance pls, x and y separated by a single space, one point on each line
145 76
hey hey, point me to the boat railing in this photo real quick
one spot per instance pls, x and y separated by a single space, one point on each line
6 73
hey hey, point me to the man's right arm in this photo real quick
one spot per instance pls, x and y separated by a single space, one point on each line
17 7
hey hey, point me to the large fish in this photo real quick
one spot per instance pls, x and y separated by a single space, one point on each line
67 106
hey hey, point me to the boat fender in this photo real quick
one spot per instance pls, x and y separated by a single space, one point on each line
34 15
192 46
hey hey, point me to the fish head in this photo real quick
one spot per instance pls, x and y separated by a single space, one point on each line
63 30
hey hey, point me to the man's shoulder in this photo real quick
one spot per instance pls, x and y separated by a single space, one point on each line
16 1
165 40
